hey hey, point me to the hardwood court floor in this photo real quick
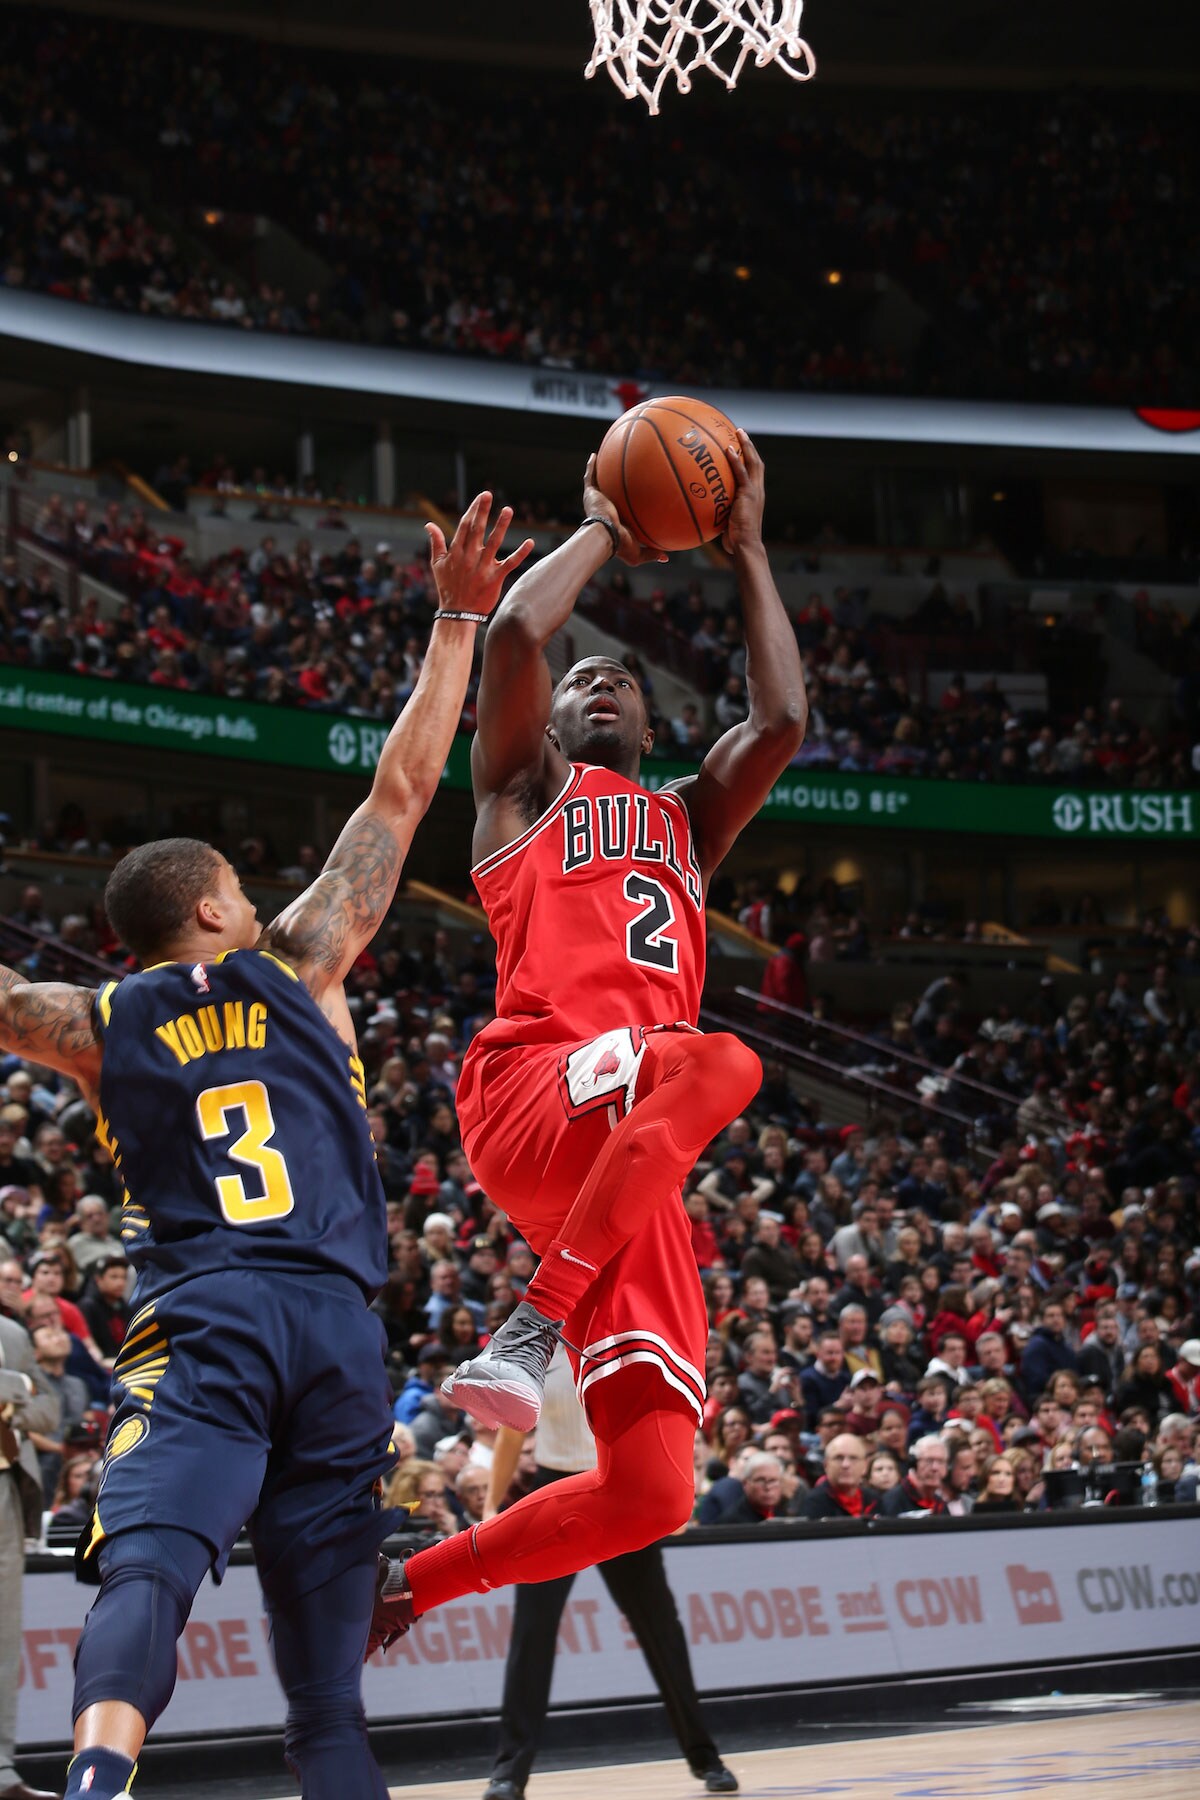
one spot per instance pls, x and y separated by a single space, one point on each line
1151 1754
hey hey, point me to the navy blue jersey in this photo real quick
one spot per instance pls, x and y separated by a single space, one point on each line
237 1117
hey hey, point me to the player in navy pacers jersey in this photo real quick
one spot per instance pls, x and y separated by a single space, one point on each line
250 1387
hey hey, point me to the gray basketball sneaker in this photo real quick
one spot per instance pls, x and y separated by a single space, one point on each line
504 1384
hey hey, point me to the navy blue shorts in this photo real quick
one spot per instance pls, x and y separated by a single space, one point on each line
253 1398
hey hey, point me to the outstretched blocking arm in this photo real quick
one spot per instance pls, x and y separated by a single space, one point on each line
53 1024
737 775
327 928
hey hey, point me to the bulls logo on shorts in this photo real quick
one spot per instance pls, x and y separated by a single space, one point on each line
603 1072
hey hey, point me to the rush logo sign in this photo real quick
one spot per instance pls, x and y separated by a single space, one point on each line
1169 418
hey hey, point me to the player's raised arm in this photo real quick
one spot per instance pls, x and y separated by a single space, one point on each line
510 745
743 766
50 1023
321 933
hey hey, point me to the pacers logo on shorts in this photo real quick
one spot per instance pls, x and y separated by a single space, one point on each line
127 1437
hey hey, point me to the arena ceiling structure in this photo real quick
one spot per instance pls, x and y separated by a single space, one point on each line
940 42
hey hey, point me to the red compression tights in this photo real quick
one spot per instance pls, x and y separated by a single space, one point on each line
689 1087
642 1489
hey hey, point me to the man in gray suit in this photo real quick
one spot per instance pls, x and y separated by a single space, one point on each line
32 1407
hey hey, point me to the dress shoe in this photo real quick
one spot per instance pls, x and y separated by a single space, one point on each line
717 1779
503 1790
21 1790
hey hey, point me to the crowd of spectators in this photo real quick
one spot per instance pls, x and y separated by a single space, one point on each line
897 1324
345 630
1046 242
865 718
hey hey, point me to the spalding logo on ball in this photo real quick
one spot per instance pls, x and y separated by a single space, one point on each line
666 467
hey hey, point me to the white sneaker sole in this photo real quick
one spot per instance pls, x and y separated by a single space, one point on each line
494 1403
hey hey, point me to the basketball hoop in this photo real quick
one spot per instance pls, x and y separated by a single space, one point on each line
643 42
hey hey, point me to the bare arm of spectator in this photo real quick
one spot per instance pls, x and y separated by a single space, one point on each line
506 1453
738 773
710 1187
327 928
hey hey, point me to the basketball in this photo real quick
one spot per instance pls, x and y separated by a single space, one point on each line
665 465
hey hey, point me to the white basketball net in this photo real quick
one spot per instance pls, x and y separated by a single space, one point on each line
643 42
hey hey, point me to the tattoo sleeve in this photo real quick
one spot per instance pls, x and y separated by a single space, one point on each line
47 1021
346 905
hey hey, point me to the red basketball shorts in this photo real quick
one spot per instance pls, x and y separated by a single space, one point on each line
534 1118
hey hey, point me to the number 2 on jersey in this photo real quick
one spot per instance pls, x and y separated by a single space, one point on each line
253 1150
645 943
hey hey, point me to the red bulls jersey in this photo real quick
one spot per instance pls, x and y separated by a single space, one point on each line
598 915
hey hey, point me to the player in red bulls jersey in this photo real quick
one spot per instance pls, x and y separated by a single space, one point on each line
589 1097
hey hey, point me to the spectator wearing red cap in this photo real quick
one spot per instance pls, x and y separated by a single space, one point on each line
850 1163
840 1493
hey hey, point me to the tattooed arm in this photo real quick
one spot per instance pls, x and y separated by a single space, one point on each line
50 1023
326 929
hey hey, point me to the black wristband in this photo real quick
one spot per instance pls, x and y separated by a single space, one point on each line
475 618
614 534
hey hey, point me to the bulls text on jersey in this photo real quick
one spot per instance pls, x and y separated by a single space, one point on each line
618 828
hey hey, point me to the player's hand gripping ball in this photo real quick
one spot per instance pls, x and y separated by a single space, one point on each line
666 467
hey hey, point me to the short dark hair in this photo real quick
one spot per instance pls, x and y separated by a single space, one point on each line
153 891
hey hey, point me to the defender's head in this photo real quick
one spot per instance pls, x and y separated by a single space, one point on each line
178 899
599 716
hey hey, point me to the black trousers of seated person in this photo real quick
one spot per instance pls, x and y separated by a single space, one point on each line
638 1585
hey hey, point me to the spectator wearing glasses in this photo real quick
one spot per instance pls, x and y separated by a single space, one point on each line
421 1482
47 1280
840 1494
762 1492
921 1489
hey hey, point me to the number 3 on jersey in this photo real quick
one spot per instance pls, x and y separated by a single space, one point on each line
252 1150
645 943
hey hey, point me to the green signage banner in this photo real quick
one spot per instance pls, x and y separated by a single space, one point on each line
114 712
914 805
